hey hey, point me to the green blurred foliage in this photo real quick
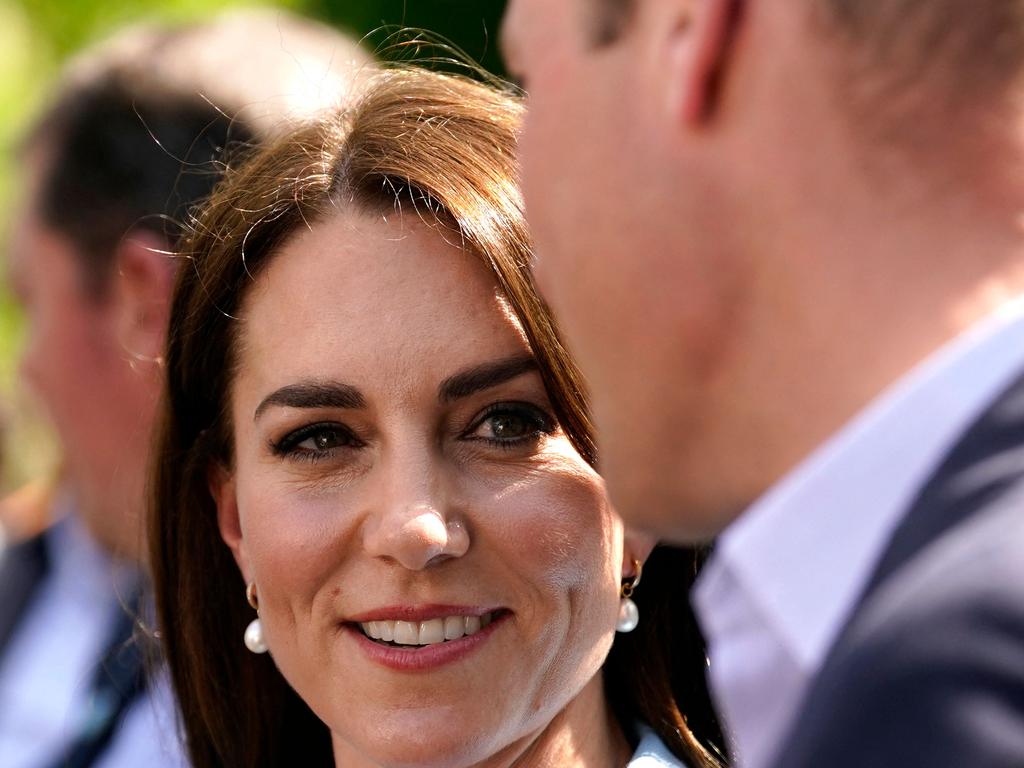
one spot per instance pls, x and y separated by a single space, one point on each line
37 37
471 25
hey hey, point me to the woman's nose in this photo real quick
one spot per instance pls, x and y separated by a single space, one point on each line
416 537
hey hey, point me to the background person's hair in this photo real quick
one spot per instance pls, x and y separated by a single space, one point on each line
443 149
132 138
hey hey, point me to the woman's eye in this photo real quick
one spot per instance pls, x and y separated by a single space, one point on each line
315 441
509 425
323 440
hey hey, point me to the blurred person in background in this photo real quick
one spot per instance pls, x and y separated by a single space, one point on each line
128 145
25 511
785 241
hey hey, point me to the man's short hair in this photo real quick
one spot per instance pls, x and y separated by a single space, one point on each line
952 51
949 52
135 135
610 19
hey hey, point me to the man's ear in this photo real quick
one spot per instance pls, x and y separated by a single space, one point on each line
698 48
144 280
222 487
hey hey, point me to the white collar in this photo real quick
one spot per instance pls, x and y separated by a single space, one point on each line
652 752
805 550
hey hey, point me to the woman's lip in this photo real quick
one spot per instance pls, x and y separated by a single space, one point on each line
420 612
425 657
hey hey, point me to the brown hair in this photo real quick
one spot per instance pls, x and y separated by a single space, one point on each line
135 132
446 146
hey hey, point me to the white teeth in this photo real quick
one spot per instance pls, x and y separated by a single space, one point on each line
407 633
432 632
454 627
428 632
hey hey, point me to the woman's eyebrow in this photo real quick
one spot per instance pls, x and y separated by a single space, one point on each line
484 376
313 394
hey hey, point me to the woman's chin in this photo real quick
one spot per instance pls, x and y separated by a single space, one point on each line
420 739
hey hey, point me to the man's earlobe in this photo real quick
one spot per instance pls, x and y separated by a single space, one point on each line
700 47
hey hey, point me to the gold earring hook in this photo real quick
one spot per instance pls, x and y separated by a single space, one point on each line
627 589
252 597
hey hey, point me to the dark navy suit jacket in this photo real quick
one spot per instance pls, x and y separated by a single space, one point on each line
929 670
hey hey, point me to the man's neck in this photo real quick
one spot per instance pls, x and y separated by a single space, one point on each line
854 303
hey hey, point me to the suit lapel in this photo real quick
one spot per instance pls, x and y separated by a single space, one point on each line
986 461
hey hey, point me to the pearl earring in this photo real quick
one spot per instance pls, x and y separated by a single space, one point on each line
254 639
629 614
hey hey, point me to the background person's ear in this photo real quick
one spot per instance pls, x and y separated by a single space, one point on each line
700 45
144 280
221 483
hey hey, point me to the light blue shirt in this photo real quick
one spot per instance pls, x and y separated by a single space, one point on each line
652 753
47 667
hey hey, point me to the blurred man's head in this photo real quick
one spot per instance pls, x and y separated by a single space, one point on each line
133 140
752 216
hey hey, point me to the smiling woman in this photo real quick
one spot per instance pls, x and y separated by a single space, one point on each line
367 402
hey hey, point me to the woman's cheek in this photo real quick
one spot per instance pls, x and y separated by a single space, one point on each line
552 525
556 518
294 543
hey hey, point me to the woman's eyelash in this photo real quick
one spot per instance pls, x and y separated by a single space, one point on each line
523 422
333 436
511 425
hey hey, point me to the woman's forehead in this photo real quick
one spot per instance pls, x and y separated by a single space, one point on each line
377 298
380 260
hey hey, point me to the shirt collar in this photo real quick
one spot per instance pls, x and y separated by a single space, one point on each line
652 752
80 564
802 553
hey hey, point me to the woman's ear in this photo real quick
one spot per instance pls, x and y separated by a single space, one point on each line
635 546
221 483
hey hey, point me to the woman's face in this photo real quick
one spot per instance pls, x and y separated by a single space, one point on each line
399 475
